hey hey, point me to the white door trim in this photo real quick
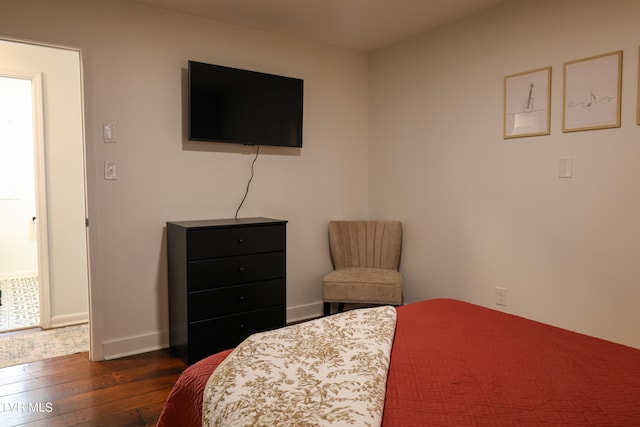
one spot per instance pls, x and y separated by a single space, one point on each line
41 202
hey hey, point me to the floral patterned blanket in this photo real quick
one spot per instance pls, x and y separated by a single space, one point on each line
328 371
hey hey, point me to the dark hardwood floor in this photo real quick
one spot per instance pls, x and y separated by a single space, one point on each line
73 391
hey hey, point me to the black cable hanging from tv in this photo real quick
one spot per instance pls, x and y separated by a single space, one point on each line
248 183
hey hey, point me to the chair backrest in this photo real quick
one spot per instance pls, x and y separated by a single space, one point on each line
365 244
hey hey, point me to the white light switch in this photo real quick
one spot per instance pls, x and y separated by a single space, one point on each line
109 133
110 171
565 167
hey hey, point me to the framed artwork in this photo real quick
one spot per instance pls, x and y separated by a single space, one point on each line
638 103
527 103
592 92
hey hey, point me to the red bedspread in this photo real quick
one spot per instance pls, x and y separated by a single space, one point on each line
455 363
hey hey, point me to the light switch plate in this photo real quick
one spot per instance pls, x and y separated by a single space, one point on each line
565 167
109 133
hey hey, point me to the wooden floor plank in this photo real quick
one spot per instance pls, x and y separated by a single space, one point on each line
73 391
61 365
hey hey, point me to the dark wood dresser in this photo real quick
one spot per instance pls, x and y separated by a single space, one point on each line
227 280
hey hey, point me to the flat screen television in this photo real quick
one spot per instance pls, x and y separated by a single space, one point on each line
243 107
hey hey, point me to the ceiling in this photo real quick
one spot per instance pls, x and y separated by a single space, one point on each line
356 24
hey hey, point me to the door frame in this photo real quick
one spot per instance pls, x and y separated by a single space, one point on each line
95 350
42 226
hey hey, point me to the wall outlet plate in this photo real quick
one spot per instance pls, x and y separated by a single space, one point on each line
501 296
110 171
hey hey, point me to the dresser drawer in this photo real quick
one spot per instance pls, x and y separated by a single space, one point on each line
219 242
211 336
217 302
214 273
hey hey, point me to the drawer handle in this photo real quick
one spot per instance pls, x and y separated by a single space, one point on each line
241 299
241 241
240 269
241 326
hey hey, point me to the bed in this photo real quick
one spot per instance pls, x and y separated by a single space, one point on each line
455 363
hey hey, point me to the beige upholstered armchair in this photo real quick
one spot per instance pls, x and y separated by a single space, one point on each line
366 258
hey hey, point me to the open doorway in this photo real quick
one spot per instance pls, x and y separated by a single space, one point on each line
19 278
58 227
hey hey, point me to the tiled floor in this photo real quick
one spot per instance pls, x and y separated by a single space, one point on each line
20 303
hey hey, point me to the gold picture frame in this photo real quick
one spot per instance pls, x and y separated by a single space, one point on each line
638 103
592 91
527 103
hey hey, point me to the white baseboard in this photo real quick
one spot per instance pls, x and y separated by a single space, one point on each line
69 319
135 345
304 312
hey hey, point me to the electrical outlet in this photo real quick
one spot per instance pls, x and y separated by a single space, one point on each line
110 171
501 296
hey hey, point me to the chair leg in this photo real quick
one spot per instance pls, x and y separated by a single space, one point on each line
327 308
340 307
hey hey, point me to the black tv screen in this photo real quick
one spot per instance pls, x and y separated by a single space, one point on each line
244 107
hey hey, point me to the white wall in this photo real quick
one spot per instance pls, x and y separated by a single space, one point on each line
64 169
480 211
134 59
